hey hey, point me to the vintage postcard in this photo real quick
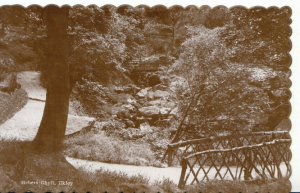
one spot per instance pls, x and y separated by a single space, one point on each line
145 99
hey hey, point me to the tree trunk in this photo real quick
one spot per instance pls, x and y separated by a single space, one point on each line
53 125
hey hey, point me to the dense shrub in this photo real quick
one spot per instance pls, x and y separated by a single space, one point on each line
99 147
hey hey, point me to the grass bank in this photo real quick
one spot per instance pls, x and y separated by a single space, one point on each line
11 103
18 163
100 147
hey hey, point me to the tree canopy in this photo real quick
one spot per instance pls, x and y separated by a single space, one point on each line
233 63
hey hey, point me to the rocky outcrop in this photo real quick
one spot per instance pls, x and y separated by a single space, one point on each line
143 92
136 113
150 111
161 94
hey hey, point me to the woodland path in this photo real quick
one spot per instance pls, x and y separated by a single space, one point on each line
24 124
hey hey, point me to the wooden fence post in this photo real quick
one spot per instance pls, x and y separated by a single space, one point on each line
181 183
170 156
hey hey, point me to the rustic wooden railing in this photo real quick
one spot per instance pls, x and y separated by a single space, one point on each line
266 160
177 151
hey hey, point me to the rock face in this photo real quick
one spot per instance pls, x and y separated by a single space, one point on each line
145 128
149 111
164 110
137 109
178 83
149 105
143 92
151 94
155 106
161 94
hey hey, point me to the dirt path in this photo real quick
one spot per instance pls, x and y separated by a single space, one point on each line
24 124
154 174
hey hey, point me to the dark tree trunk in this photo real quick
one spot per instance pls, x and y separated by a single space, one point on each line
53 125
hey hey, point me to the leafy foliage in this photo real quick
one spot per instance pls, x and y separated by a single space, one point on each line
234 63
230 84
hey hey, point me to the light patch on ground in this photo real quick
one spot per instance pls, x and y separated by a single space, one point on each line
24 124
76 123
30 82
153 173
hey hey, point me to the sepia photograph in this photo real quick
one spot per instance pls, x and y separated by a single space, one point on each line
137 99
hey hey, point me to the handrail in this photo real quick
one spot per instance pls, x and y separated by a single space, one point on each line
238 148
194 141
